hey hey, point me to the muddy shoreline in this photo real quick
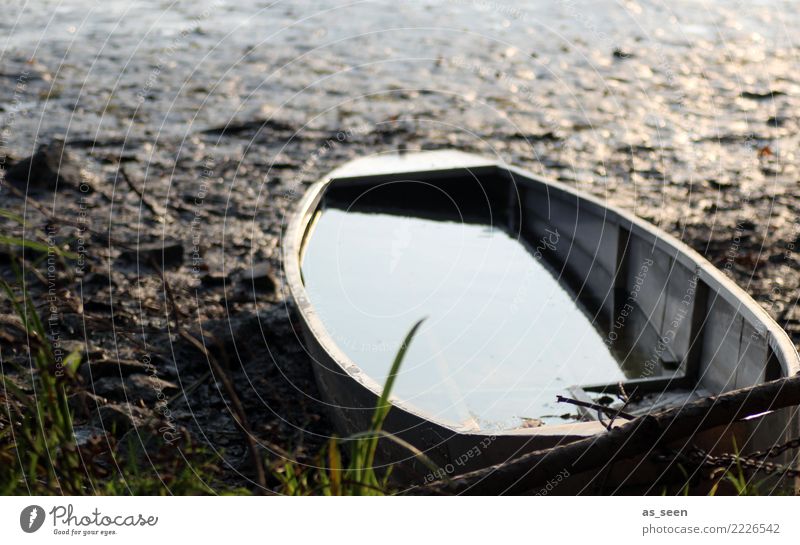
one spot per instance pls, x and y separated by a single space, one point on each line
169 165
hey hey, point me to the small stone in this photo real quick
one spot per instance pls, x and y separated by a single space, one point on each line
746 225
51 166
85 403
720 184
213 279
621 54
85 435
260 277
71 345
164 254
119 418
531 423
109 387
761 95
778 120
250 126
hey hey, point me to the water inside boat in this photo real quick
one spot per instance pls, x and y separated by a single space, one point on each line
502 336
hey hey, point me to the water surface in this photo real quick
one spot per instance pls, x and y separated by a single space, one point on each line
502 336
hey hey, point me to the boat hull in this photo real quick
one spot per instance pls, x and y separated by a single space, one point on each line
690 316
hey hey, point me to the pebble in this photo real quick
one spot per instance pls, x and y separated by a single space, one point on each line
51 167
165 255
260 277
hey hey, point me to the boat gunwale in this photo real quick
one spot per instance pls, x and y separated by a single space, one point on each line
298 228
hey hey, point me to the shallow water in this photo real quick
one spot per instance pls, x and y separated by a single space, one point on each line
501 338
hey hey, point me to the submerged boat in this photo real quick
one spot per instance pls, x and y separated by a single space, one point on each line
530 290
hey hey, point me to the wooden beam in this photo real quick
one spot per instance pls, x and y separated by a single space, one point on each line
633 438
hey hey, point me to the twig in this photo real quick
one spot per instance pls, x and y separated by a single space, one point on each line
625 398
157 210
599 408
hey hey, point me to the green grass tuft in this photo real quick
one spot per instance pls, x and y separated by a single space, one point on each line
358 476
